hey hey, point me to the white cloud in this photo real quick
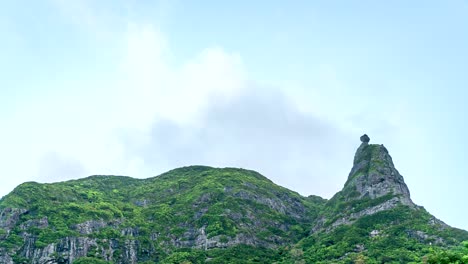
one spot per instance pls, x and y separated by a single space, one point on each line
260 130
104 124
151 81
80 122
217 117
201 110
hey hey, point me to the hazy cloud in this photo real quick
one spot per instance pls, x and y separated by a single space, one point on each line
260 130
150 113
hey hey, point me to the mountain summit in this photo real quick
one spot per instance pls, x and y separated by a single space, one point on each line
201 214
373 185
373 215
374 175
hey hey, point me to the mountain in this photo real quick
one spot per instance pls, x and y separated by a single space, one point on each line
201 214
374 219
126 220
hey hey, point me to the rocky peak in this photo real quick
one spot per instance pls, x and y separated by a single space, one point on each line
365 138
373 185
374 175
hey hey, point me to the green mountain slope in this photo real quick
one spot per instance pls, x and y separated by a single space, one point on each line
122 219
200 214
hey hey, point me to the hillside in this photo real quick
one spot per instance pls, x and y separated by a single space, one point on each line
123 219
201 214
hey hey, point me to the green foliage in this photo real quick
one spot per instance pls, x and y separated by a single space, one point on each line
184 257
237 254
445 256
224 203
161 213
90 260
395 242
20 260
11 242
47 236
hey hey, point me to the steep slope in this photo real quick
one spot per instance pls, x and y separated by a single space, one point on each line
373 185
128 220
373 218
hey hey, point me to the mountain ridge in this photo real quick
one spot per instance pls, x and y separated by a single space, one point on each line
200 213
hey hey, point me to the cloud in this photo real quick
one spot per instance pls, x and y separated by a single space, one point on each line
150 112
207 111
77 122
258 129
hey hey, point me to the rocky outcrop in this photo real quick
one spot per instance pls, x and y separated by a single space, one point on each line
68 249
373 185
90 227
421 236
374 174
281 203
365 138
351 218
197 238
5 258
38 223
10 216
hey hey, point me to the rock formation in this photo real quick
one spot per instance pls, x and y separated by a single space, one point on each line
374 174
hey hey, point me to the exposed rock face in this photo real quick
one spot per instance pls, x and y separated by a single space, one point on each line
5 258
71 248
89 227
257 213
39 223
348 219
10 216
374 174
373 185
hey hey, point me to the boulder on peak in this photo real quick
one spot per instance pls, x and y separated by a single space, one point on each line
365 138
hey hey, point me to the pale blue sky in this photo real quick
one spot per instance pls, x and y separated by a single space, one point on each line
283 87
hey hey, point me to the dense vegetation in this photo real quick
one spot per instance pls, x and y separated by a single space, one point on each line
200 214
391 236
165 213
458 255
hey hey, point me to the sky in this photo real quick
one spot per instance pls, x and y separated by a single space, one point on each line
281 87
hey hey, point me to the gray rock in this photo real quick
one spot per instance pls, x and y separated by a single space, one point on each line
374 233
39 223
142 203
374 175
351 218
5 258
10 216
130 231
365 138
89 227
